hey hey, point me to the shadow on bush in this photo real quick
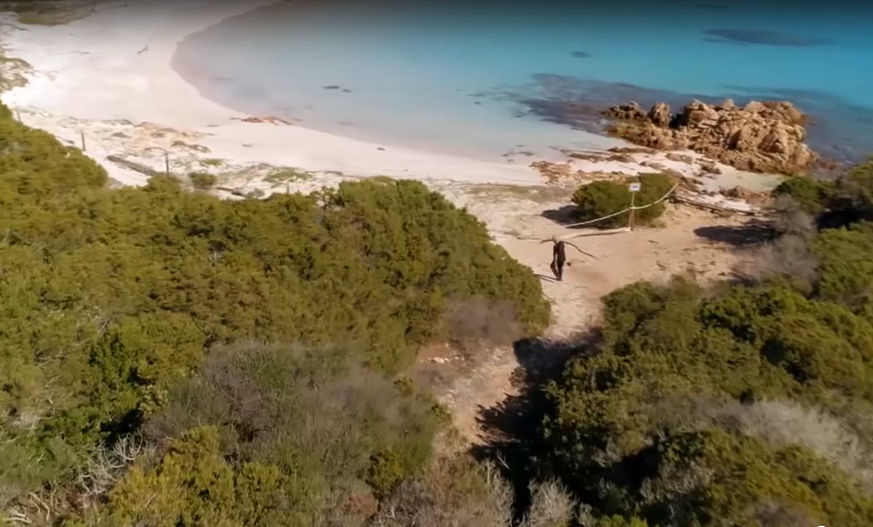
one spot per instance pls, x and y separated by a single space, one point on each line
513 426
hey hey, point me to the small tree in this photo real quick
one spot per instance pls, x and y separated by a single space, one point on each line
602 198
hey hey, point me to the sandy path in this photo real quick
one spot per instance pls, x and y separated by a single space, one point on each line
644 254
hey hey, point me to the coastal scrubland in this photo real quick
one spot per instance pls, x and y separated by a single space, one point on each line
171 359
113 300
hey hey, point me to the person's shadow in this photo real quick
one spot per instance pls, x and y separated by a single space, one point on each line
544 277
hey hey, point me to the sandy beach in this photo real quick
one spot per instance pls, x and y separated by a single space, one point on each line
93 76
107 81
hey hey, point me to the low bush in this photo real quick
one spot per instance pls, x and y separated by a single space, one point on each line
450 492
202 180
322 424
459 492
193 484
602 198
812 195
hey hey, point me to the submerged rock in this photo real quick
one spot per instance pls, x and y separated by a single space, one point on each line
760 137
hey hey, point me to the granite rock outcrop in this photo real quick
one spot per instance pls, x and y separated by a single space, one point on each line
758 137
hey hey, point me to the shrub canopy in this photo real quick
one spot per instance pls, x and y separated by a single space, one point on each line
700 407
112 299
602 198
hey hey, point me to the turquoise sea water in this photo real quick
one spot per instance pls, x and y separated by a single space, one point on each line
529 76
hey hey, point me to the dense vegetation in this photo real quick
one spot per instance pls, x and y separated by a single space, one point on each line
747 404
117 304
843 201
170 359
684 417
602 198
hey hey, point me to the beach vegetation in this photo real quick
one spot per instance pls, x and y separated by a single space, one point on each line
287 175
496 192
811 194
178 143
171 359
745 403
118 304
203 180
709 406
841 202
603 198
212 162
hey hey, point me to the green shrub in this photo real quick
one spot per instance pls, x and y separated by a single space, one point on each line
620 521
738 480
812 195
846 265
194 485
682 366
385 472
602 198
110 297
854 195
202 180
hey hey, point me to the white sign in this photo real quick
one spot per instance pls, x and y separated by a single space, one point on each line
634 187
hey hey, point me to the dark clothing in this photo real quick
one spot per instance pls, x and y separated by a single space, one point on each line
559 257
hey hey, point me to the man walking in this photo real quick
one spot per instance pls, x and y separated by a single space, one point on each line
559 257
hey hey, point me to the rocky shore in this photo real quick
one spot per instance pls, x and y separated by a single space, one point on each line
766 137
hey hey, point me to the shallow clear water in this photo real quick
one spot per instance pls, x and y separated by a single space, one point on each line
498 79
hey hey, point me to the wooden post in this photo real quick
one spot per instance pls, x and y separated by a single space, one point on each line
82 135
167 162
634 188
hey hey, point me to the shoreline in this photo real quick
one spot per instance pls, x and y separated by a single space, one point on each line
144 109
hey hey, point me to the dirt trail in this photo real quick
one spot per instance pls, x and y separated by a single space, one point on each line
516 221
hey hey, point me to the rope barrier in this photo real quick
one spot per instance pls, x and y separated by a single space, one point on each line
597 233
612 231
662 198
